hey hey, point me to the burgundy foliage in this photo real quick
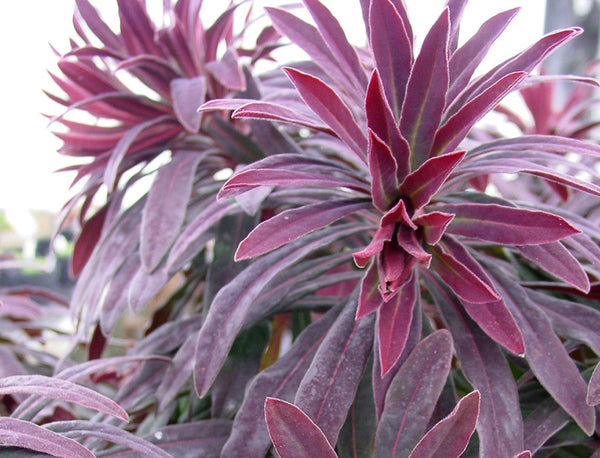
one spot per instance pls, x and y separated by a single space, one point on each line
335 257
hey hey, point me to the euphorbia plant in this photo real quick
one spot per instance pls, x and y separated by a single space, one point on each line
357 287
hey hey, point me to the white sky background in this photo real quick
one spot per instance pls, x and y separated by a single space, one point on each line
28 153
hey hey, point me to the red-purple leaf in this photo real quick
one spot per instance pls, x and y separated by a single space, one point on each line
426 92
507 225
227 71
422 184
450 436
335 38
21 433
500 425
62 390
231 305
293 433
380 120
453 131
87 240
593 393
86 12
330 383
279 112
434 225
188 95
369 298
165 208
525 454
384 184
412 396
384 234
323 100
392 51
556 259
291 224
544 422
393 324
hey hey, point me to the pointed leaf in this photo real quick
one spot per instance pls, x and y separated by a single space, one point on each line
62 390
188 95
369 298
328 388
392 51
507 225
21 433
165 208
451 435
323 100
293 433
393 324
422 184
227 71
434 225
593 393
291 224
384 184
380 119
426 92
412 396
540 425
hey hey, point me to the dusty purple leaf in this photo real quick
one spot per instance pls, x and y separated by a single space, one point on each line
422 184
393 324
19 307
384 184
188 95
507 225
115 301
541 424
557 260
293 433
144 287
165 208
450 436
369 297
426 92
392 51
62 390
337 42
593 393
380 119
412 396
227 71
547 356
330 383
21 433
291 224
231 305
500 425
323 100
92 19
280 112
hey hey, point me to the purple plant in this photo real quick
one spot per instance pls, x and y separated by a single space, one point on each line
366 283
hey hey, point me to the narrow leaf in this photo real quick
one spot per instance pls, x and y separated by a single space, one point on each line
412 396
293 433
165 208
451 435
593 393
384 184
426 92
21 433
369 298
188 95
540 425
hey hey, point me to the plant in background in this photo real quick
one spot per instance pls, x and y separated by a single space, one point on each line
357 287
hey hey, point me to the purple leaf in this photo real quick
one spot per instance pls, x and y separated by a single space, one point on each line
86 12
593 393
463 281
541 424
249 434
422 184
380 120
507 225
165 208
525 454
144 287
280 112
466 59
453 131
557 260
393 324
426 92
500 426
450 436
87 241
62 390
330 383
188 95
335 38
291 224
392 51
369 298
227 71
323 100
231 305
21 433
434 225
547 356
293 433
412 395
384 184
